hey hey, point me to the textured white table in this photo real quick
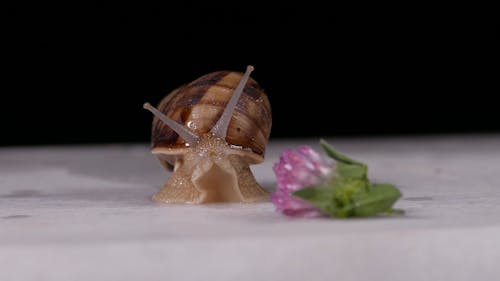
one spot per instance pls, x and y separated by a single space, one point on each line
84 213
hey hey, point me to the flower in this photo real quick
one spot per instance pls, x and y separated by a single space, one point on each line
297 169
310 186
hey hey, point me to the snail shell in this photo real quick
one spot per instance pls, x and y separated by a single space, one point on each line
199 104
241 141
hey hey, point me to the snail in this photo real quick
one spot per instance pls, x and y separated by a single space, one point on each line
208 133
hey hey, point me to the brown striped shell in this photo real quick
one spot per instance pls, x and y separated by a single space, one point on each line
199 104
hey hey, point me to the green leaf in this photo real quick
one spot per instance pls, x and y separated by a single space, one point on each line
346 167
352 198
337 155
320 197
344 170
345 189
378 199
335 198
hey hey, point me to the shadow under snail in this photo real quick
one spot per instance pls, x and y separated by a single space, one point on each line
209 132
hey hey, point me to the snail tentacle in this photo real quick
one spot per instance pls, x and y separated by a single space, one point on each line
220 128
190 137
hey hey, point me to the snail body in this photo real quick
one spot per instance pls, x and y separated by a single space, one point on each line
208 133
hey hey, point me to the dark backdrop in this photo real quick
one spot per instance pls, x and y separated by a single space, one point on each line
80 74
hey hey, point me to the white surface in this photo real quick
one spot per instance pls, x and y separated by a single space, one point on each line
84 213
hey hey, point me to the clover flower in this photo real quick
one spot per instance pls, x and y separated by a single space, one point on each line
297 169
311 186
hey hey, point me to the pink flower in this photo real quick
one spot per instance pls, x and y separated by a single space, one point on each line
297 169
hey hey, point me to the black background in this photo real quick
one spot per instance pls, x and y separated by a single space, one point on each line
80 74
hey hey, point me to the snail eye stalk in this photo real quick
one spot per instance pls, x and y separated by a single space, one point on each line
220 128
190 137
